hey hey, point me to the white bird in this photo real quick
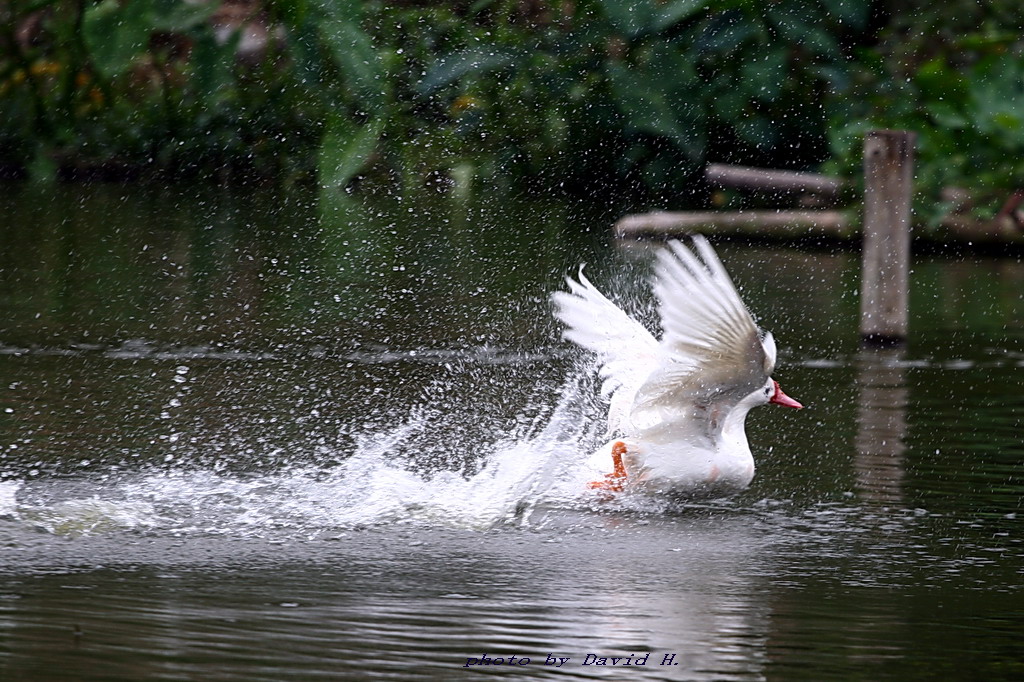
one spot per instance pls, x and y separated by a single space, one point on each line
677 406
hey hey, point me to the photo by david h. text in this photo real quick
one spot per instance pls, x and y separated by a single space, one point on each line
554 660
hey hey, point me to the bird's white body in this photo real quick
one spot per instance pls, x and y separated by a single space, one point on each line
677 406
674 460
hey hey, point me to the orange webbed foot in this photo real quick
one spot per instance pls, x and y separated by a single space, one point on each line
614 481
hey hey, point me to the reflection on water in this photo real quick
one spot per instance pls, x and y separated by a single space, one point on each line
881 424
735 593
420 602
246 437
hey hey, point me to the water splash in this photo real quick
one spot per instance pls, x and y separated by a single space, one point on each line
8 498
391 476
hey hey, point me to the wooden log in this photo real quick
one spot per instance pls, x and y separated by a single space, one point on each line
1000 230
766 223
796 224
885 264
772 180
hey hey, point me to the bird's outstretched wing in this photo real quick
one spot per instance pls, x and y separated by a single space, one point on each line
625 348
711 350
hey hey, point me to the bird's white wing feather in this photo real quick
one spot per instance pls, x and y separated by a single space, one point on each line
626 349
712 350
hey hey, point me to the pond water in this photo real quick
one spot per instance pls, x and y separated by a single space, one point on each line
248 436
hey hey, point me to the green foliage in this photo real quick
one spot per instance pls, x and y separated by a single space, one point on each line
955 74
344 150
631 90
117 33
596 92
589 95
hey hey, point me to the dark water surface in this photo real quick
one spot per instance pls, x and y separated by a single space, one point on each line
247 436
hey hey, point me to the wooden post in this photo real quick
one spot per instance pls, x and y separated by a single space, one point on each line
888 183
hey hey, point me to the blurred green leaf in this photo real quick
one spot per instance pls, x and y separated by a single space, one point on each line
945 115
730 100
765 74
116 33
997 96
852 12
803 30
353 51
310 66
344 151
630 17
212 77
480 6
292 12
1008 120
724 34
36 5
42 169
938 81
837 75
175 16
473 62
671 13
757 131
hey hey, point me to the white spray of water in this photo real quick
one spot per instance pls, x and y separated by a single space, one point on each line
8 499
542 465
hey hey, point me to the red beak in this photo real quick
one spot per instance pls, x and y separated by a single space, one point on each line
780 398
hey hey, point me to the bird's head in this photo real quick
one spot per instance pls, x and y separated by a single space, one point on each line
772 393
